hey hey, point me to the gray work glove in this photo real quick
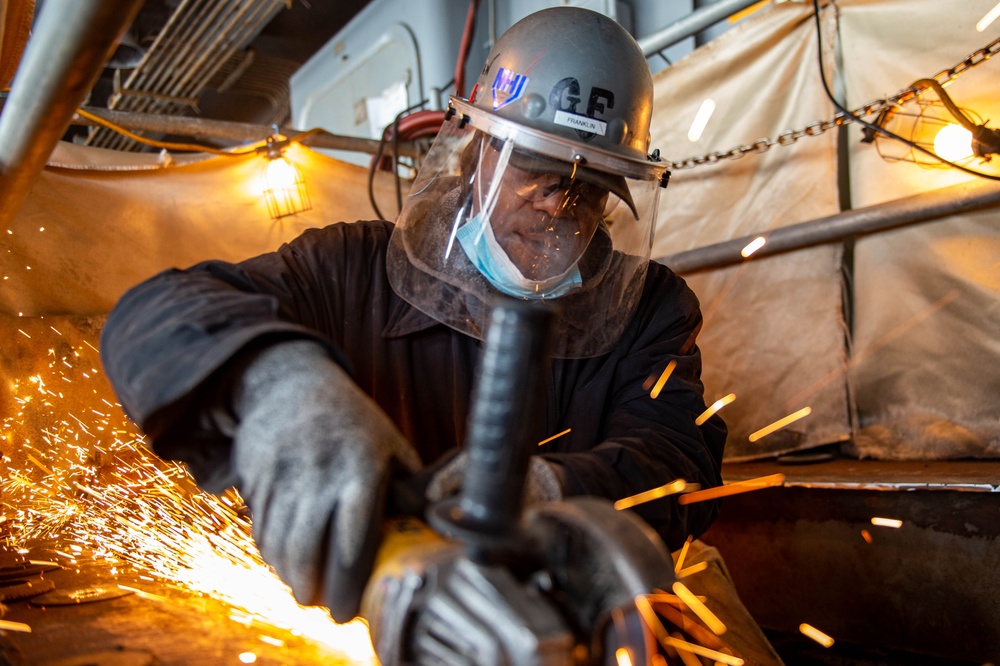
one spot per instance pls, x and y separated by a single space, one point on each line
314 453
543 483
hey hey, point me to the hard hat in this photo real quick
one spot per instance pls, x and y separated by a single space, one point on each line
573 73
519 193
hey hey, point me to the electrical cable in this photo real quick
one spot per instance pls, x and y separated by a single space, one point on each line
410 126
464 47
193 147
871 126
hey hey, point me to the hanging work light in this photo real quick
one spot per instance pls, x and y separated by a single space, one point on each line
284 187
946 132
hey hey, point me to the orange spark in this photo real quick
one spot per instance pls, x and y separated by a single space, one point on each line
701 610
733 488
753 246
780 423
714 407
653 622
622 655
693 569
815 634
887 522
655 393
866 535
556 436
672 488
684 551
7 625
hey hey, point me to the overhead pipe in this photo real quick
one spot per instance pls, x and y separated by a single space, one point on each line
924 207
692 24
71 42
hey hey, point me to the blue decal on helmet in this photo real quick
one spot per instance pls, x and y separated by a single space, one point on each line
507 87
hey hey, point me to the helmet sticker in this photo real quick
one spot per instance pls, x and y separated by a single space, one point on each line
507 87
582 123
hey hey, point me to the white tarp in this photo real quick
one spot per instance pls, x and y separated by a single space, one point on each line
919 374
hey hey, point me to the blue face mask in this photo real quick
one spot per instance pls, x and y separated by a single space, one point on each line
481 246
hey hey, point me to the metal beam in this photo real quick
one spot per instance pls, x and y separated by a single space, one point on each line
923 207
71 42
692 24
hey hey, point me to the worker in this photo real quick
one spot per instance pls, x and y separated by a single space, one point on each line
311 376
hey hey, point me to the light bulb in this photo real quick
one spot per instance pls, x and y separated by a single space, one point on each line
284 188
281 174
953 143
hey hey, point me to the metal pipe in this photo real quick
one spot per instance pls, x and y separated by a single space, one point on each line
72 41
692 24
234 132
923 207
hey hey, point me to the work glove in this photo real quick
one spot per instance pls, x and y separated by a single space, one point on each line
542 484
314 456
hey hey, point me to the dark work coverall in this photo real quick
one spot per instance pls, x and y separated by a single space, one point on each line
167 342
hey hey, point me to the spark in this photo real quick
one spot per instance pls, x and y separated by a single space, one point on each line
988 18
866 535
715 406
752 246
654 623
556 436
693 569
684 551
701 610
248 657
887 522
664 376
7 625
701 119
780 423
734 488
108 499
671 488
815 634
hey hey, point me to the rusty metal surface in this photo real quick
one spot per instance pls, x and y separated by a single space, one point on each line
851 474
160 625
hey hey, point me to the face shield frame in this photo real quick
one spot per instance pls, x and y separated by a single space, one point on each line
430 264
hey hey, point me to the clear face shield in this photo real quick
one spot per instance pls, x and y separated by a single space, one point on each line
498 210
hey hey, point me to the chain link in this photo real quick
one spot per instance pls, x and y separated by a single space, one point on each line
818 127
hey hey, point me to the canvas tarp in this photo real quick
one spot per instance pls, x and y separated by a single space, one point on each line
917 373
774 333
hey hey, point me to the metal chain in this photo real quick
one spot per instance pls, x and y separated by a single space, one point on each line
789 137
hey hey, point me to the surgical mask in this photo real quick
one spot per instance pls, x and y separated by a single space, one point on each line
481 247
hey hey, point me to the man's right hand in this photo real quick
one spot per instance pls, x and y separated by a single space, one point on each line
314 454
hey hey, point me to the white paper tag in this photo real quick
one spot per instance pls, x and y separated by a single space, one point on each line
585 123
